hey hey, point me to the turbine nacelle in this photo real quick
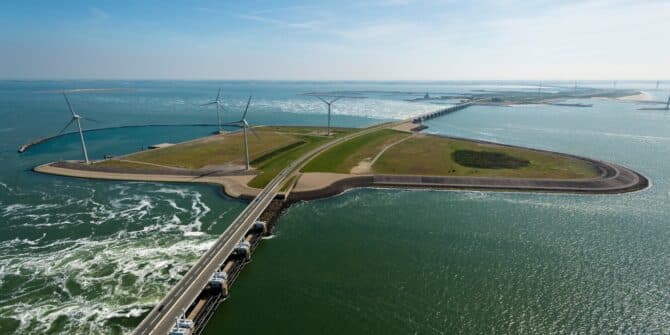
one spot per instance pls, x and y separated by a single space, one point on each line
76 118
329 104
219 106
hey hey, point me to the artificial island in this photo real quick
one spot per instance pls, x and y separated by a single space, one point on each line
274 166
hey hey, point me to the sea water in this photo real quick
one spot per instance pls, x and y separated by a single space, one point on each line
82 256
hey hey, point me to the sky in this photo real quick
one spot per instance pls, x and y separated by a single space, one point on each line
335 40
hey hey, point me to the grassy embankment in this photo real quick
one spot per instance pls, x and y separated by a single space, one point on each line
274 149
211 151
343 157
419 155
270 165
432 155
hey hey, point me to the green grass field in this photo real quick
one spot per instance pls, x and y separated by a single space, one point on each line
432 155
117 164
487 160
343 157
276 147
273 164
214 150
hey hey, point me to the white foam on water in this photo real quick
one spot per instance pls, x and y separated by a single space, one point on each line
371 108
181 192
193 233
200 210
92 280
173 204
96 266
14 208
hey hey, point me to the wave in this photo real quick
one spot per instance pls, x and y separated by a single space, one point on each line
95 276
125 247
371 108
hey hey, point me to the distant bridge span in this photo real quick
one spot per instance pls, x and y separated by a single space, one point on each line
443 111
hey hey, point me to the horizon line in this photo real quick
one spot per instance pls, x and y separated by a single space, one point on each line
330 80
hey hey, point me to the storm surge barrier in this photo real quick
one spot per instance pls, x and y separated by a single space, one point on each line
192 298
441 112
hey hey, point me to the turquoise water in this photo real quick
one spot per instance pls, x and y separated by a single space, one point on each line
80 256
420 262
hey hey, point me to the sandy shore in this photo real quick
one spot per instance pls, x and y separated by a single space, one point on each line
318 180
405 127
642 96
234 186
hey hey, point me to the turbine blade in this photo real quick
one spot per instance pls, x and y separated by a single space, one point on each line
69 107
253 132
89 119
238 124
246 109
207 104
338 98
66 126
218 94
322 99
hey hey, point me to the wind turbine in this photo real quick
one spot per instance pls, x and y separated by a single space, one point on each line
242 123
76 118
218 104
329 104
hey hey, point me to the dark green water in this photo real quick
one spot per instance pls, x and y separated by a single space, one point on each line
418 262
91 257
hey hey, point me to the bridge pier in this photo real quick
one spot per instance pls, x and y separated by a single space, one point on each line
218 288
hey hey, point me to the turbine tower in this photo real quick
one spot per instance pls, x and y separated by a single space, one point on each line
667 104
76 118
329 104
242 123
218 104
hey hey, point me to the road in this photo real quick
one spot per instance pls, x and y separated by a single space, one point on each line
162 317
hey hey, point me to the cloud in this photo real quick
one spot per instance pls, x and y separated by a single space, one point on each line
306 25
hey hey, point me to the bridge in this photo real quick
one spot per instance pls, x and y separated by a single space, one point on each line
443 111
161 319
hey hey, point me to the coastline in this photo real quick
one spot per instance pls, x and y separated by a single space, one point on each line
642 96
613 179
233 186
